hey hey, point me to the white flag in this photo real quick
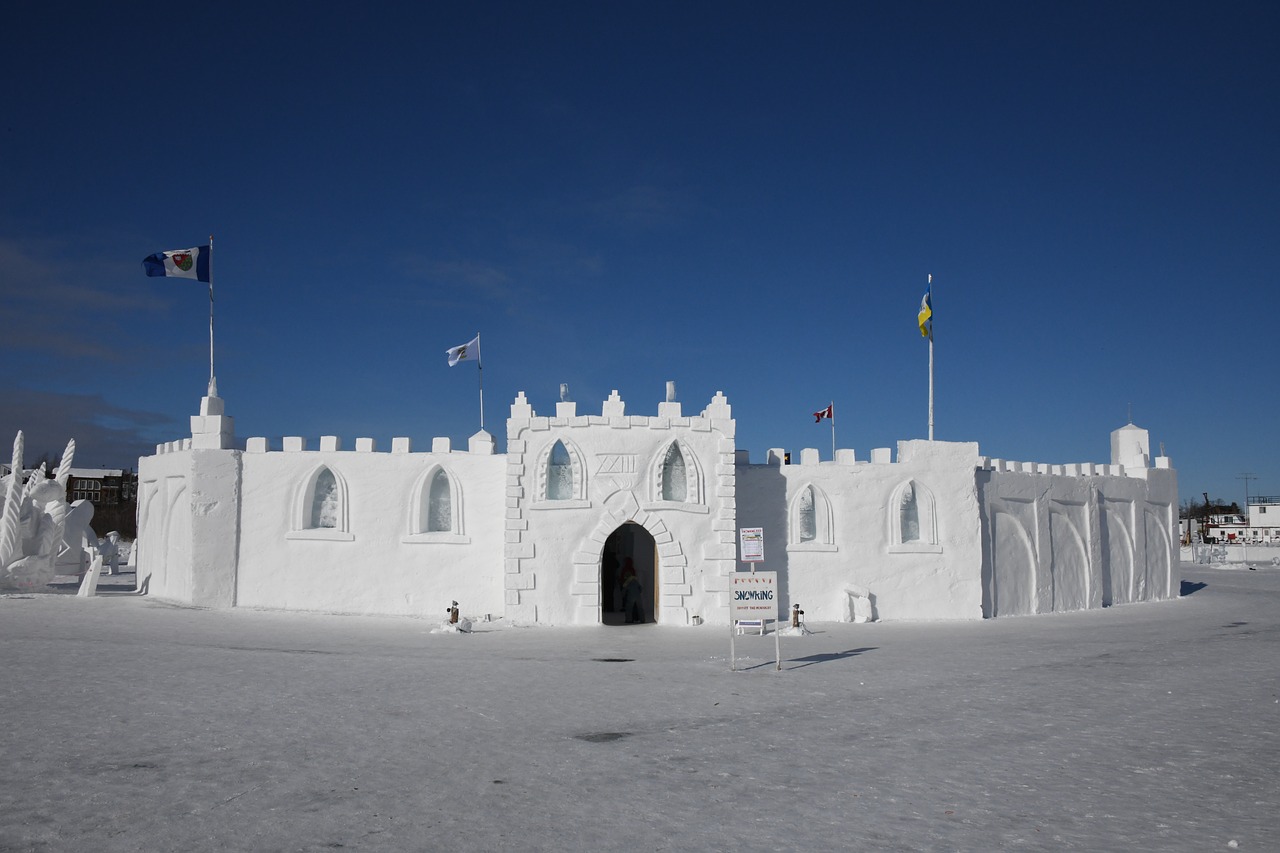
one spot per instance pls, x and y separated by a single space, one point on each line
470 351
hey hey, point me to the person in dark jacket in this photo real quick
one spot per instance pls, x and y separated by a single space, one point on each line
631 592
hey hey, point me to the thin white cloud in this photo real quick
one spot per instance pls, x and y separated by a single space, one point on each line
48 291
106 434
481 278
643 206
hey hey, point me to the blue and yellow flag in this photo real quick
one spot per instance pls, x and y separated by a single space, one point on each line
926 314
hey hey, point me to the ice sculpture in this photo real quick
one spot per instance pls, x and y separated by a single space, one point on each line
33 521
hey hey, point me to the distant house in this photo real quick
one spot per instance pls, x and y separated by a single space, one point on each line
1260 524
101 486
114 495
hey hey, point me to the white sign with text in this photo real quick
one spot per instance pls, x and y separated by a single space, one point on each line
754 595
751 544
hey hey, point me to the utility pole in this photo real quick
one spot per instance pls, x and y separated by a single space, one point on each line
1246 476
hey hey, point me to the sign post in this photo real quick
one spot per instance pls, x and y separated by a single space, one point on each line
753 596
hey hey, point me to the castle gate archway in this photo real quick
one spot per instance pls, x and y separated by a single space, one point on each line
630 541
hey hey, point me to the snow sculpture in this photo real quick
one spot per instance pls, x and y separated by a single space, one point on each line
78 542
109 549
857 605
33 521
89 583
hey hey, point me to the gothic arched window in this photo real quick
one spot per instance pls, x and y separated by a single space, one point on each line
675 479
559 474
675 484
909 515
440 504
320 508
435 509
913 519
806 525
326 502
810 522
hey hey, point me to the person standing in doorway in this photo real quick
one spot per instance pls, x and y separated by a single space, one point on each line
631 593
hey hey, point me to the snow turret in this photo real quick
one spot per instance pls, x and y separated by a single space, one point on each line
213 428
1131 447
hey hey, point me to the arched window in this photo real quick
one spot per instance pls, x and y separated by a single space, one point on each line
435 509
560 477
810 523
909 515
326 503
806 526
676 479
320 508
440 504
559 474
675 485
913 520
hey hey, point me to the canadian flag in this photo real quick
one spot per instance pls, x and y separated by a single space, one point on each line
828 412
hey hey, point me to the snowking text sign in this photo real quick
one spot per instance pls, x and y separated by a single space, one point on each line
754 595
753 598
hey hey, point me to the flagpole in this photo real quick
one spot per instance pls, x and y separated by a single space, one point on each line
480 373
831 407
931 357
213 382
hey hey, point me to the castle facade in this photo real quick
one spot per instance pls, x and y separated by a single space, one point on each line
542 533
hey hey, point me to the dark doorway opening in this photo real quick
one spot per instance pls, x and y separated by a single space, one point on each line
629 542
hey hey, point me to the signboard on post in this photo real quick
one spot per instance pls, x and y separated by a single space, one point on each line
751 544
753 597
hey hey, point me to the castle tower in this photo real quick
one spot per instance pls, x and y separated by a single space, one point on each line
213 428
1131 447
588 494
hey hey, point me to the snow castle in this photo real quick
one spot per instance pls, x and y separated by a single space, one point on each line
540 533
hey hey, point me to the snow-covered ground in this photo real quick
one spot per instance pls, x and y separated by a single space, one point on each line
132 725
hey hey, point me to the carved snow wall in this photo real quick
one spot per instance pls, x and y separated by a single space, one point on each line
903 534
1058 540
324 529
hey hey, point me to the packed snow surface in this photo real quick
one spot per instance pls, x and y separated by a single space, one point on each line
135 726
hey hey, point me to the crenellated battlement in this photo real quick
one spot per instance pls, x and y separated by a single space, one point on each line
1075 469
479 444
847 457
718 415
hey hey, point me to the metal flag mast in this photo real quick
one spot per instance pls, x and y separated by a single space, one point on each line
930 356
213 381
480 374
831 407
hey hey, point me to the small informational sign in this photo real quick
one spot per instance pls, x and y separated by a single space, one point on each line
751 544
753 598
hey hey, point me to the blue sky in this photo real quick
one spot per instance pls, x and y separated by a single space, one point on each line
740 197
